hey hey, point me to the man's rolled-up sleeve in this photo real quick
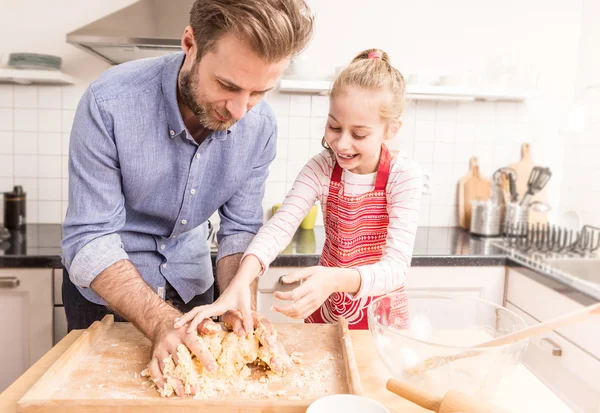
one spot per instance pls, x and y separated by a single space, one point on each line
242 215
96 209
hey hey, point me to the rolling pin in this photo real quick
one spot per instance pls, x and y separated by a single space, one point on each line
452 402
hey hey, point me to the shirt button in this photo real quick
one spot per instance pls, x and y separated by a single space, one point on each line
162 247
184 221
172 132
193 191
197 156
164 265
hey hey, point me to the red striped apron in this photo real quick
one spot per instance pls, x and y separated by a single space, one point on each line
356 230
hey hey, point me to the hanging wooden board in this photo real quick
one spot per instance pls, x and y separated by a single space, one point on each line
523 169
100 373
471 187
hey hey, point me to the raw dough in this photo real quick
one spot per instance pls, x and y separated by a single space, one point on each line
233 355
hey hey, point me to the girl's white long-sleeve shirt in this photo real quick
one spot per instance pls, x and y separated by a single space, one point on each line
403 193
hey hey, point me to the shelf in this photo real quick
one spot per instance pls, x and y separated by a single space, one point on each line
39 77
416 92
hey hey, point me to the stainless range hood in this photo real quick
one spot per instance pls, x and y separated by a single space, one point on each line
147 28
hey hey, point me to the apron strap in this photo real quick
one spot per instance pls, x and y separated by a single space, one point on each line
383 171
336 175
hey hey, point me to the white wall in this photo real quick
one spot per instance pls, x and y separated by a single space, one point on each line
535 42
35 121
581 184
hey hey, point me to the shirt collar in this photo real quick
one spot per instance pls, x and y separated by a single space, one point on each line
169 89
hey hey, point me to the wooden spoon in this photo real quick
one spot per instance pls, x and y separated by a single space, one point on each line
453 401
531 331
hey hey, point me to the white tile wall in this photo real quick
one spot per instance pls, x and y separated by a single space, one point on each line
35 122
441 136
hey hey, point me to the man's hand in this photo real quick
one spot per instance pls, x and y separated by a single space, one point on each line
318 284
165 342
122 287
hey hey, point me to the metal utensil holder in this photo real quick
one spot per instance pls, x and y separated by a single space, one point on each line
486 218
550 239
516 216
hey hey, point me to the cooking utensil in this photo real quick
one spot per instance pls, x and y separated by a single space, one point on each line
523 170
452 402
538 179
526 333
405 341
101 369
505 187
512 184
472 187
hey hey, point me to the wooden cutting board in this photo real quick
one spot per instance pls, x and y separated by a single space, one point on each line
523 169
471 187
100 373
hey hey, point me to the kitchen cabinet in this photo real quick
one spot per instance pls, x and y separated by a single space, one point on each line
486 283
268 283
566 360
478 282
25 319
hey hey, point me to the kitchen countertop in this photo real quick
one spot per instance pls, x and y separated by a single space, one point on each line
39 246
521 392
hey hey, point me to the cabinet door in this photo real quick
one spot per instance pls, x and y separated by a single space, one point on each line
265 301
267 285
25 319
570 372
486 283
14 321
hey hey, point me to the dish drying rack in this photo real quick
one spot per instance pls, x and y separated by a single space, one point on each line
536 246
551 240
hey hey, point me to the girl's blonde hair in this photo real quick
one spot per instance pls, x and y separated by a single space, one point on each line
371 70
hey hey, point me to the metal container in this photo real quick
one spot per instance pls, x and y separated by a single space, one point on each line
14 209
486 218
516 217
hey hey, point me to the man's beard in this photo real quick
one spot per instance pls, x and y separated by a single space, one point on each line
204 112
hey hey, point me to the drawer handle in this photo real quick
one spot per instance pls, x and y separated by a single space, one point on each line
9 282
556 349
282 283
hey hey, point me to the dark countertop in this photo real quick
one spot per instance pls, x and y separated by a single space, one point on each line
39 246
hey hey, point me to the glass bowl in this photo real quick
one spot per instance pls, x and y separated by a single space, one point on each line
430 346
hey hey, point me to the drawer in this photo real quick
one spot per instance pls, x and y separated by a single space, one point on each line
574 375
264 302
548 304
269 281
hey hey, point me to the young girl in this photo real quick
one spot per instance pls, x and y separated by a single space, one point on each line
370 200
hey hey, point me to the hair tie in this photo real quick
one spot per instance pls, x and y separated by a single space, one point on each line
374 55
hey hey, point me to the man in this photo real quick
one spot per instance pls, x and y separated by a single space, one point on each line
157 146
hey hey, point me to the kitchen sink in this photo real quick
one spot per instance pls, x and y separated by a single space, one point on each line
584 268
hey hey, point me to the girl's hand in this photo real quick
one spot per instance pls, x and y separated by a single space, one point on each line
236 299
319 283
